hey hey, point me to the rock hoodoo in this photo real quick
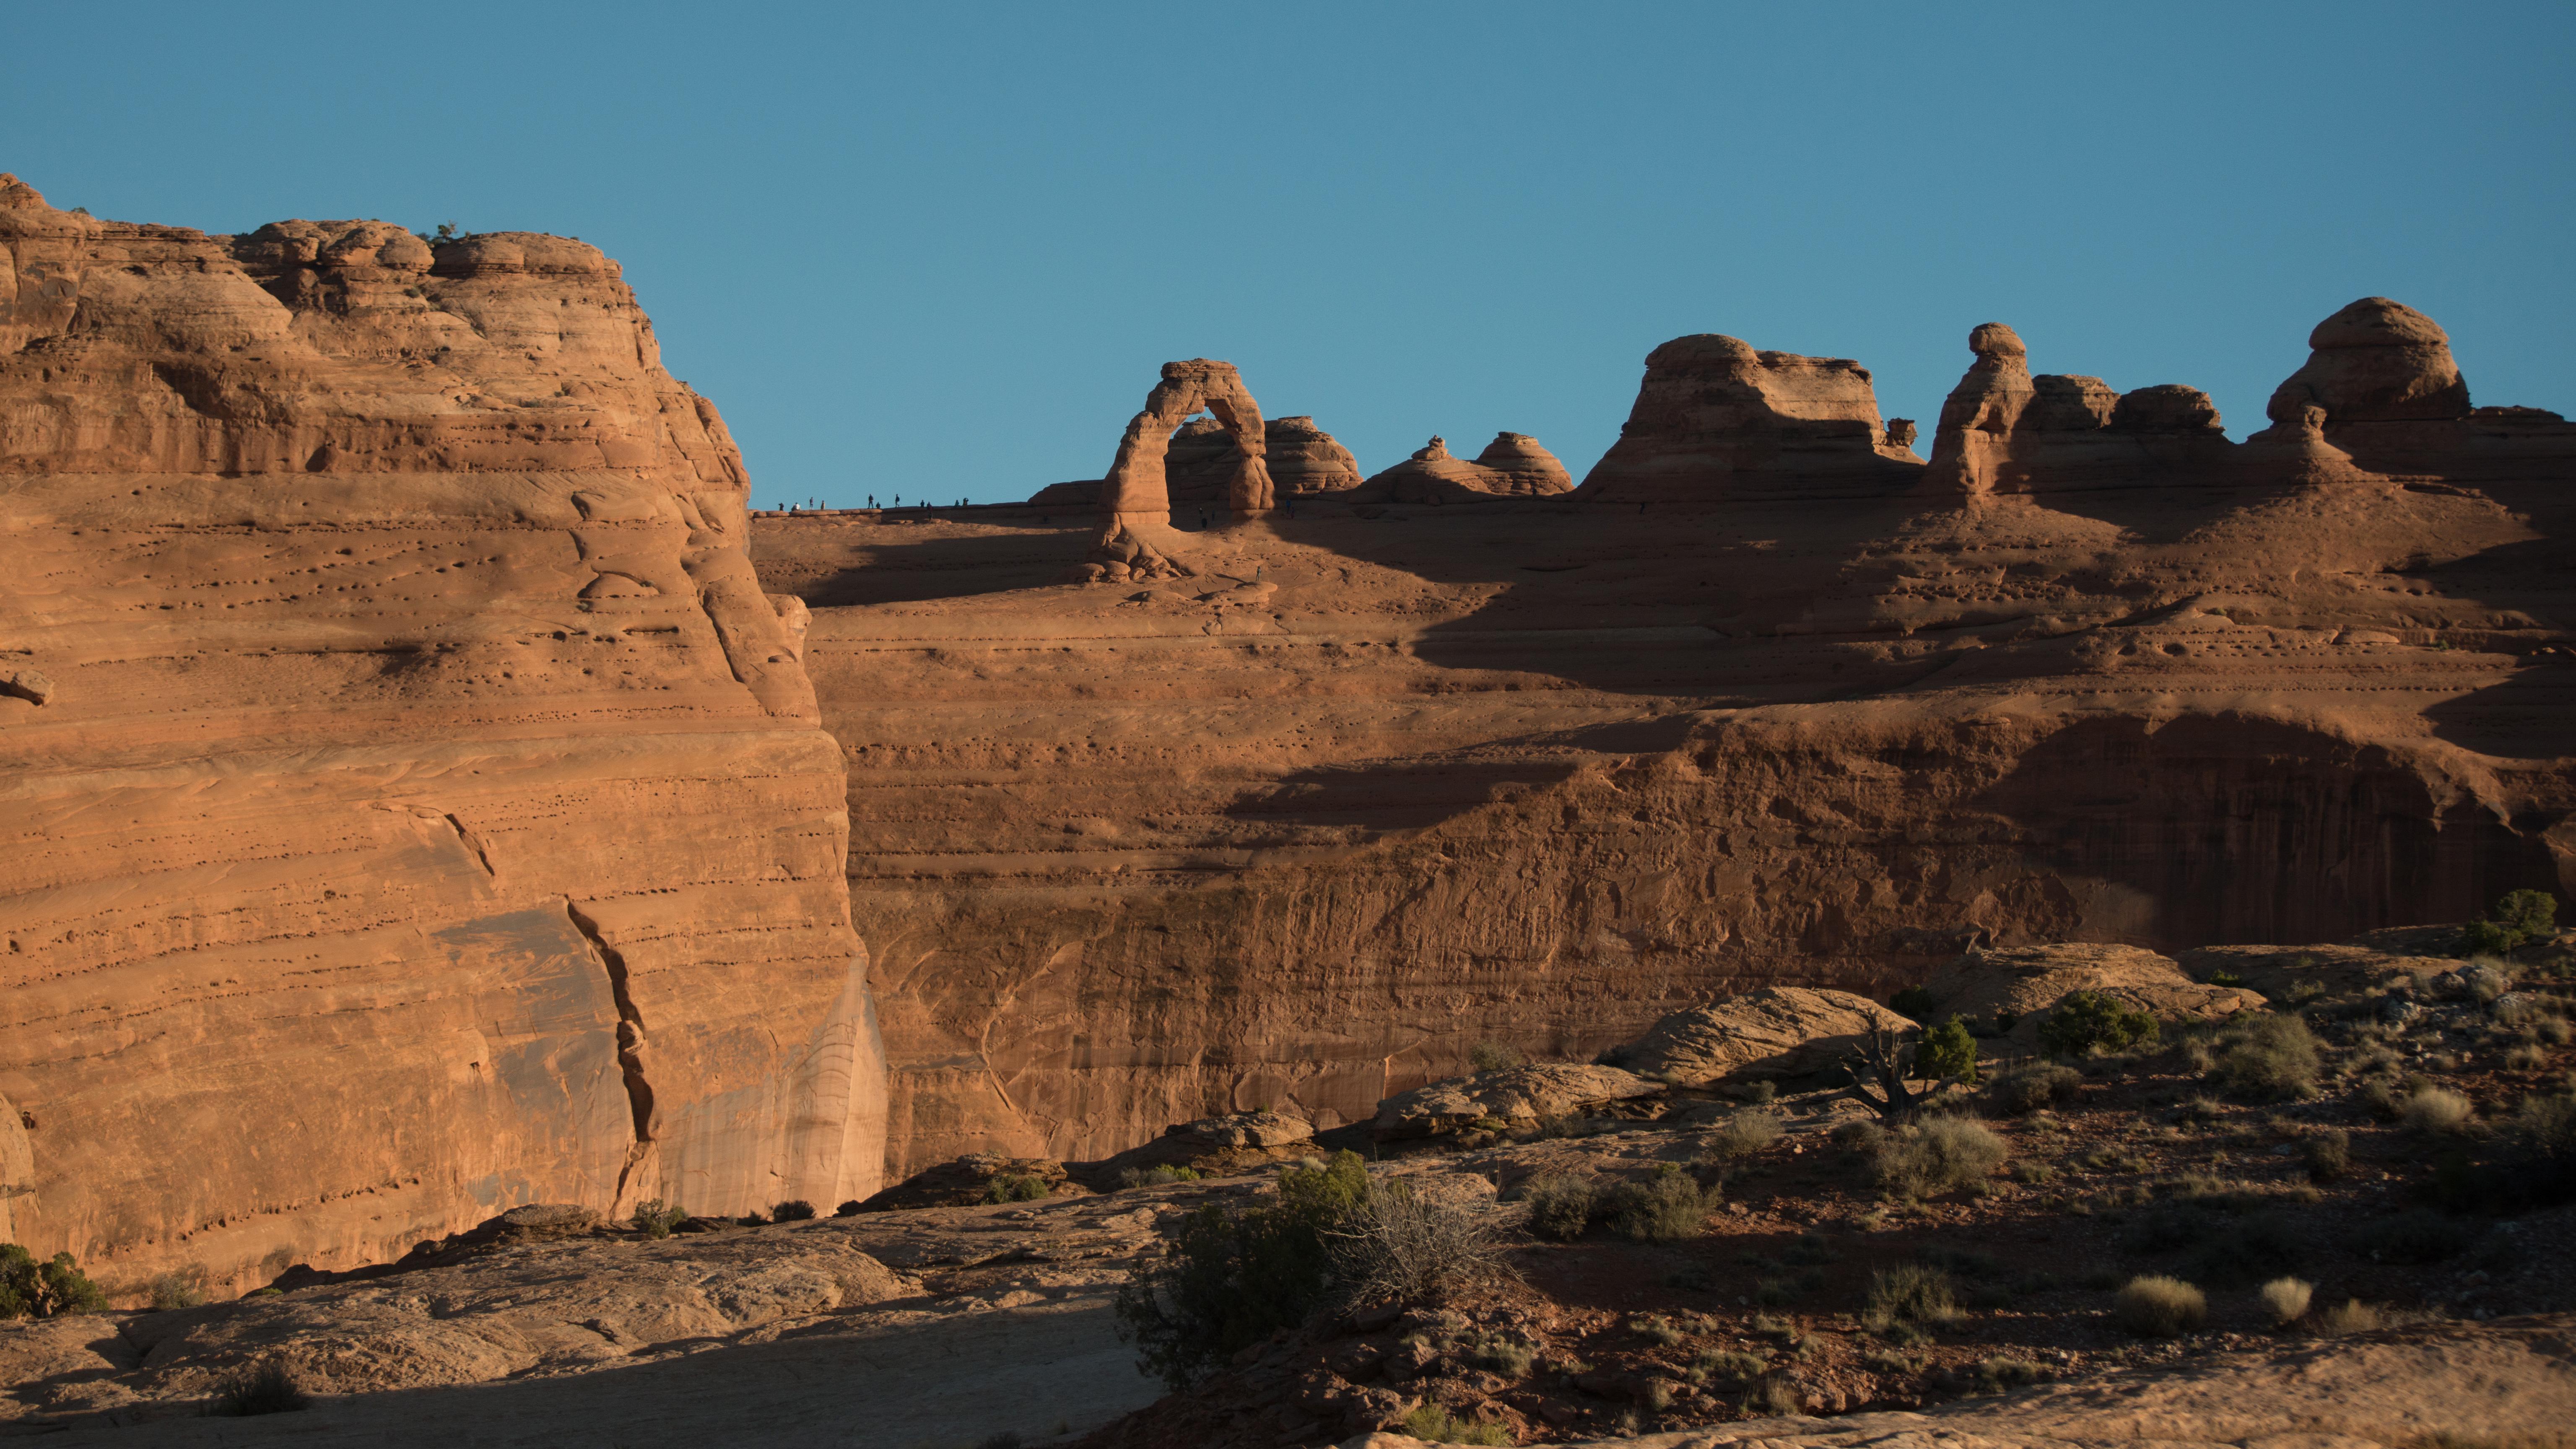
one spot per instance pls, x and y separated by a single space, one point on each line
1716 420
2005 431
427 812
1513 464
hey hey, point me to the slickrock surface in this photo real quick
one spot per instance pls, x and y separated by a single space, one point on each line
1518 1096
1755 706
2027 982
410 803
1764 1035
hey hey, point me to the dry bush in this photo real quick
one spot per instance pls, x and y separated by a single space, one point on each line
2159 1307
2350 1316
1666 1208
1560 1206
2328 1155
1744 1133
2287 1299
2268 1057
1911 1293
185 1288
2435 1111
266 1388
1435 1424
1416 1247
1493 1056
1939 1154
2026 1089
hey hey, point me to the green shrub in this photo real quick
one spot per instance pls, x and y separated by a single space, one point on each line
267 1388
2084 1022
1912 1293
2268 1057
1560 1206
795 1210
2159 1307
655 1218
183 1289
1937 1155
1233 1279
50 1289
1667 1208
2519 918
1156 1176
1011 1187
1493 1056
1743 1133
1913 1002
1947 1052
2025 1089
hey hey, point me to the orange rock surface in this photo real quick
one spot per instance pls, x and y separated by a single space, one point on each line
1761 703
425 810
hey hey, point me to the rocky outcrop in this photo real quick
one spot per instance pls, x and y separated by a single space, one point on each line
2005 431
969 1180
1716 420
2014 988
1515 1096
1135 535
411 805
1203 460
1512 465
1771 1034
1235 1142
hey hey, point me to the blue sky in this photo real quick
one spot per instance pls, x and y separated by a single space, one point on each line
941 250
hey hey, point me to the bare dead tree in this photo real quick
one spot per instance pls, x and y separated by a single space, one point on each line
1882 1073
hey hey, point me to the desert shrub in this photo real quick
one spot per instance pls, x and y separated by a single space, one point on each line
1744 1133
266 1388
1011 1187
185 1288
2268 1057
1947 1051
1937 1155
1911 1293
48 1289
2328 1155
795 1210
2085 1022
1861 1137
2518 918
1913 1002
1413 1247
1713 1363
2415 1236
1999 1374
1657 1329
2540 1147
1666 1208
1560 1206
2434 1111
2525 1059
1493 1056
1498 1354
2286 1299
2350 1316
2025 1089
848 1209
1434 1423
2159 1307
1156 1176
1232 1279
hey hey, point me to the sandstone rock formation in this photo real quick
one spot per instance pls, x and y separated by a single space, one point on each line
1520 1096
1769 1034
1136 538
1512 465
413 804
1203 461
2005 431
2025 983
1301 835
1716 419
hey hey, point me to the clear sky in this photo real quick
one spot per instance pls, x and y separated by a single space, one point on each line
940 250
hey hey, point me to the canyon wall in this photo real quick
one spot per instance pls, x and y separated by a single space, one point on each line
1763 702
410 803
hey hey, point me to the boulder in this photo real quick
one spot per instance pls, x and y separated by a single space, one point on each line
1716 419
2026 982
964 1181
1778 1031
1521 1096
1237 1142
2376 361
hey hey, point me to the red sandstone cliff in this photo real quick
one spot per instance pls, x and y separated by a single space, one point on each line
413 804
1762 703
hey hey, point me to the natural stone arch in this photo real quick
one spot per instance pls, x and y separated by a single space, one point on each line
1135 499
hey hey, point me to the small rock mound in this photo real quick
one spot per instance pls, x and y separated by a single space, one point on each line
1215 1146
2026 982
1517 1096
968 1180
1765 1035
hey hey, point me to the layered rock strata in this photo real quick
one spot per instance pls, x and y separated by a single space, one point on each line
1396 779
426 811
1135 537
